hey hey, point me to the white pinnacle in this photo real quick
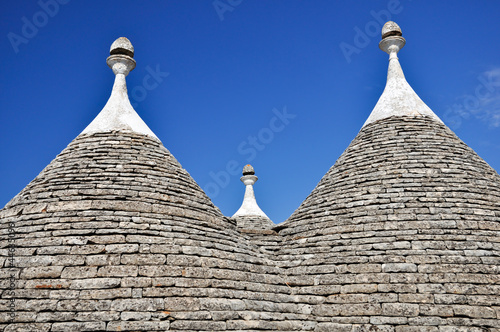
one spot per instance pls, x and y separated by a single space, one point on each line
398 98
249 206
118 114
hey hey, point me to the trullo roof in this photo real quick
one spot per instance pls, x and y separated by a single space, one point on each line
250 215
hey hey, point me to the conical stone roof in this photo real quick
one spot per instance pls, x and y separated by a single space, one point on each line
250 215
117 163
403 231
114 235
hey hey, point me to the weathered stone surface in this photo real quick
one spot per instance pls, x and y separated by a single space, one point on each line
146 304
132 315
474 311
42 272
381 320
105 293
416 329
95 283
138 326
24 327
118 271
83 305
400 309
253 222
79 272
151 259
399 267
328 327
83 326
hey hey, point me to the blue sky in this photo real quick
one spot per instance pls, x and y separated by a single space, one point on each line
283 85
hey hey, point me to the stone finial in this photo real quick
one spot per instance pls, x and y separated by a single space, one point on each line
391 29
398 98
392 40
249 207
122 46
249 177
121 59
118 113
248 170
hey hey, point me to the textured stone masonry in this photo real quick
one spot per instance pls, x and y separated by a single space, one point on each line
402 234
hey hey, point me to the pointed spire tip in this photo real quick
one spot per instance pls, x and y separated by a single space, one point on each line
398 98
249 207
118 114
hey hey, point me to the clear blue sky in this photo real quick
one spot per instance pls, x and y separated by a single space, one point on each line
230 63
